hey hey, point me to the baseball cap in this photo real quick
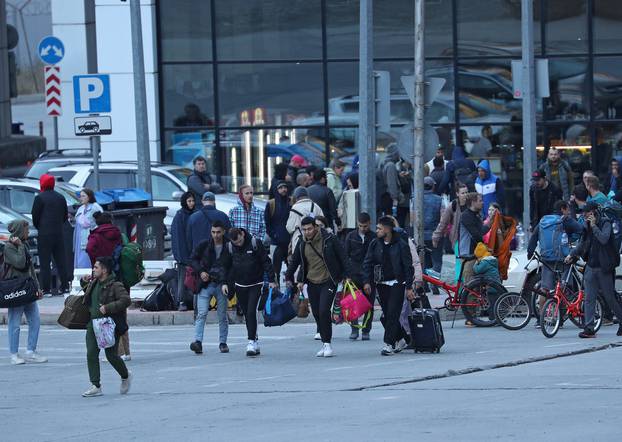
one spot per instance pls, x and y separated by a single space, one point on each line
429 182
208 196
281 184
538 174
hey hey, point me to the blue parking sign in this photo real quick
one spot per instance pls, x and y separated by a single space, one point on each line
91 94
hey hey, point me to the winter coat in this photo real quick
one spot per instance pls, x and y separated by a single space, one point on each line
401 260
333 182
249 264
49 209
180 245
333 255
450 223
276 215
597 247
200 225
199 183
355 250
19 262
203 259
432 213
114 297
472 231
461 168
102 241
323 197
561 176
491 188
542 201
487 267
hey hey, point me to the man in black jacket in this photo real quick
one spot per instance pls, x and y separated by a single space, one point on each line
276 215
471 232
323 265
602 258
212 262
249 263
388 265
200 181
542 197
357 244
321 195
49 214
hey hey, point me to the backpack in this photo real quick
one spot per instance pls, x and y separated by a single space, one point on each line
253 244
612 211
554 244
465 175
128 262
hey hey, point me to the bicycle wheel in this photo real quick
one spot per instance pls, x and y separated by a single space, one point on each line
475 298
598 315
512 311
528 293
550 318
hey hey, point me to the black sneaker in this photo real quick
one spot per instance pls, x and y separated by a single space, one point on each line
197 347
224 348
587 333
365 337
354 335
182 307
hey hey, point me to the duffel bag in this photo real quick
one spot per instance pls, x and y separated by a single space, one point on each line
278 310
75 315
16 292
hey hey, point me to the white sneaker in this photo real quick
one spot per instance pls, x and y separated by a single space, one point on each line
34 358
250 349
126 358
92 392
401 345
47 295
16 360
328 350
317 337
126 383
387 350
256 347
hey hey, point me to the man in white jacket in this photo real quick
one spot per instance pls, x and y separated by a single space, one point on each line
303 206
333 177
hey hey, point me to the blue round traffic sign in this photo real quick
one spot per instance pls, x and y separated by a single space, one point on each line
51 50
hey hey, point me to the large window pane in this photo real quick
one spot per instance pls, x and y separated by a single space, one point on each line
270 94
569 86
491 27
185 30
566 26
343 92
342 29
575 145
188 95
608 146
607 26
608 87
269 29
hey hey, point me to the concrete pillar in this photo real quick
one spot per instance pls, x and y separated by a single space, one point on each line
5 98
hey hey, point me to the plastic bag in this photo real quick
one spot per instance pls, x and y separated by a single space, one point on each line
104 332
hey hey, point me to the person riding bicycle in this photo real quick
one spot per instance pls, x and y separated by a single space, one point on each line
598 250
552 233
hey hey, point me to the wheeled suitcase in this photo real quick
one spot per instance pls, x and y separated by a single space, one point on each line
426 330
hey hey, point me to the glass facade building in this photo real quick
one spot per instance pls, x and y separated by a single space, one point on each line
248 83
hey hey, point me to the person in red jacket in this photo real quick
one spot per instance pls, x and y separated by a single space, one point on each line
104 238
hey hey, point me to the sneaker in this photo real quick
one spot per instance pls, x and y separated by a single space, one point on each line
182 308
328 350
126 383
126 358
256 346
619 332
34 358
16 360
354 335
250 349
197 347
365 337
468 323
387 350
401 345
317 337
223 347
587 333
47 295
92 392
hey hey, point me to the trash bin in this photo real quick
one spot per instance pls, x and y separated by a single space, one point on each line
104 200
128 198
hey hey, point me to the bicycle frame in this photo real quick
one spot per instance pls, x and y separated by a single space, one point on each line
453 291
573 309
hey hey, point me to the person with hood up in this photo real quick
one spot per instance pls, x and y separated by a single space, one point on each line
49 214
276 216
280 174
181 248
18 263
247 215
104 238
389 192
489 186
461 169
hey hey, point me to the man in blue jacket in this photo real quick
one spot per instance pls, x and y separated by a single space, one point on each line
181 250
489 186
431 217
276 216
200 222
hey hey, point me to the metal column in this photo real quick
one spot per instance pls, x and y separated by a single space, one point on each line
529 105
5 94
140 99
419 123
367 133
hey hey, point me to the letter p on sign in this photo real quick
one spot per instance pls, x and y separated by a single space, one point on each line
91 94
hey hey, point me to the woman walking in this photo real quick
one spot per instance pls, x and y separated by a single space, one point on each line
85 223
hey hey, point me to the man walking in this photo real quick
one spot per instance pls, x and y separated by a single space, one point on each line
489 186
388 265
181 250
323 197
49 214
105 296
542 197
333 177
598 250
558 172
200 222
212 262
431 218
200 180
247 215
472 231
276 216
356 246
323 265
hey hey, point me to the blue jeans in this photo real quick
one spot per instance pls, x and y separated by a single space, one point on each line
15 318
203 300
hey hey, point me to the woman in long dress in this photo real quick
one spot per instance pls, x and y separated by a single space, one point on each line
84 224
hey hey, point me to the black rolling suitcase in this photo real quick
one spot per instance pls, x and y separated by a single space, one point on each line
426 330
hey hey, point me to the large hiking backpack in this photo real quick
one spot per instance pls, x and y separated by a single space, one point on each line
553 239
612 210
466 175
128 262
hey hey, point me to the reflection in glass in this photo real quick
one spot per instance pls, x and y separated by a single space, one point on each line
574 144
607 26
608 146
566 26
185 30
188 95
608 87
569 89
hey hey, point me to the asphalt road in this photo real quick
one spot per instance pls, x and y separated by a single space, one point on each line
486 384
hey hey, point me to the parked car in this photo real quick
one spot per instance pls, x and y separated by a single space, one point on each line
19 194
6 216
57 158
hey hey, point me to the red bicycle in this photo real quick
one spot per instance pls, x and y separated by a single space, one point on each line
473 298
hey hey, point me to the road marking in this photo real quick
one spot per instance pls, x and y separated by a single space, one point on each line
562 345
339 368
485 351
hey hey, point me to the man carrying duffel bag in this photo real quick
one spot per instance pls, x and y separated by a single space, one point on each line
19 281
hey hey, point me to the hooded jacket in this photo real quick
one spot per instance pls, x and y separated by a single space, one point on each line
276 215
102 241
180 245
323 197
249 264
49 209
597 248
17 259
399 254
460 168
491 188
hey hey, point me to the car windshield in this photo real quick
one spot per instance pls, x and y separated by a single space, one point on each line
38 168
69 196
181 173
7 215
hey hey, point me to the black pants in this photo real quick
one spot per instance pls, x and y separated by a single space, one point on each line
371 298
321 297
402 213
52 246
278 258
391 300
248 299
